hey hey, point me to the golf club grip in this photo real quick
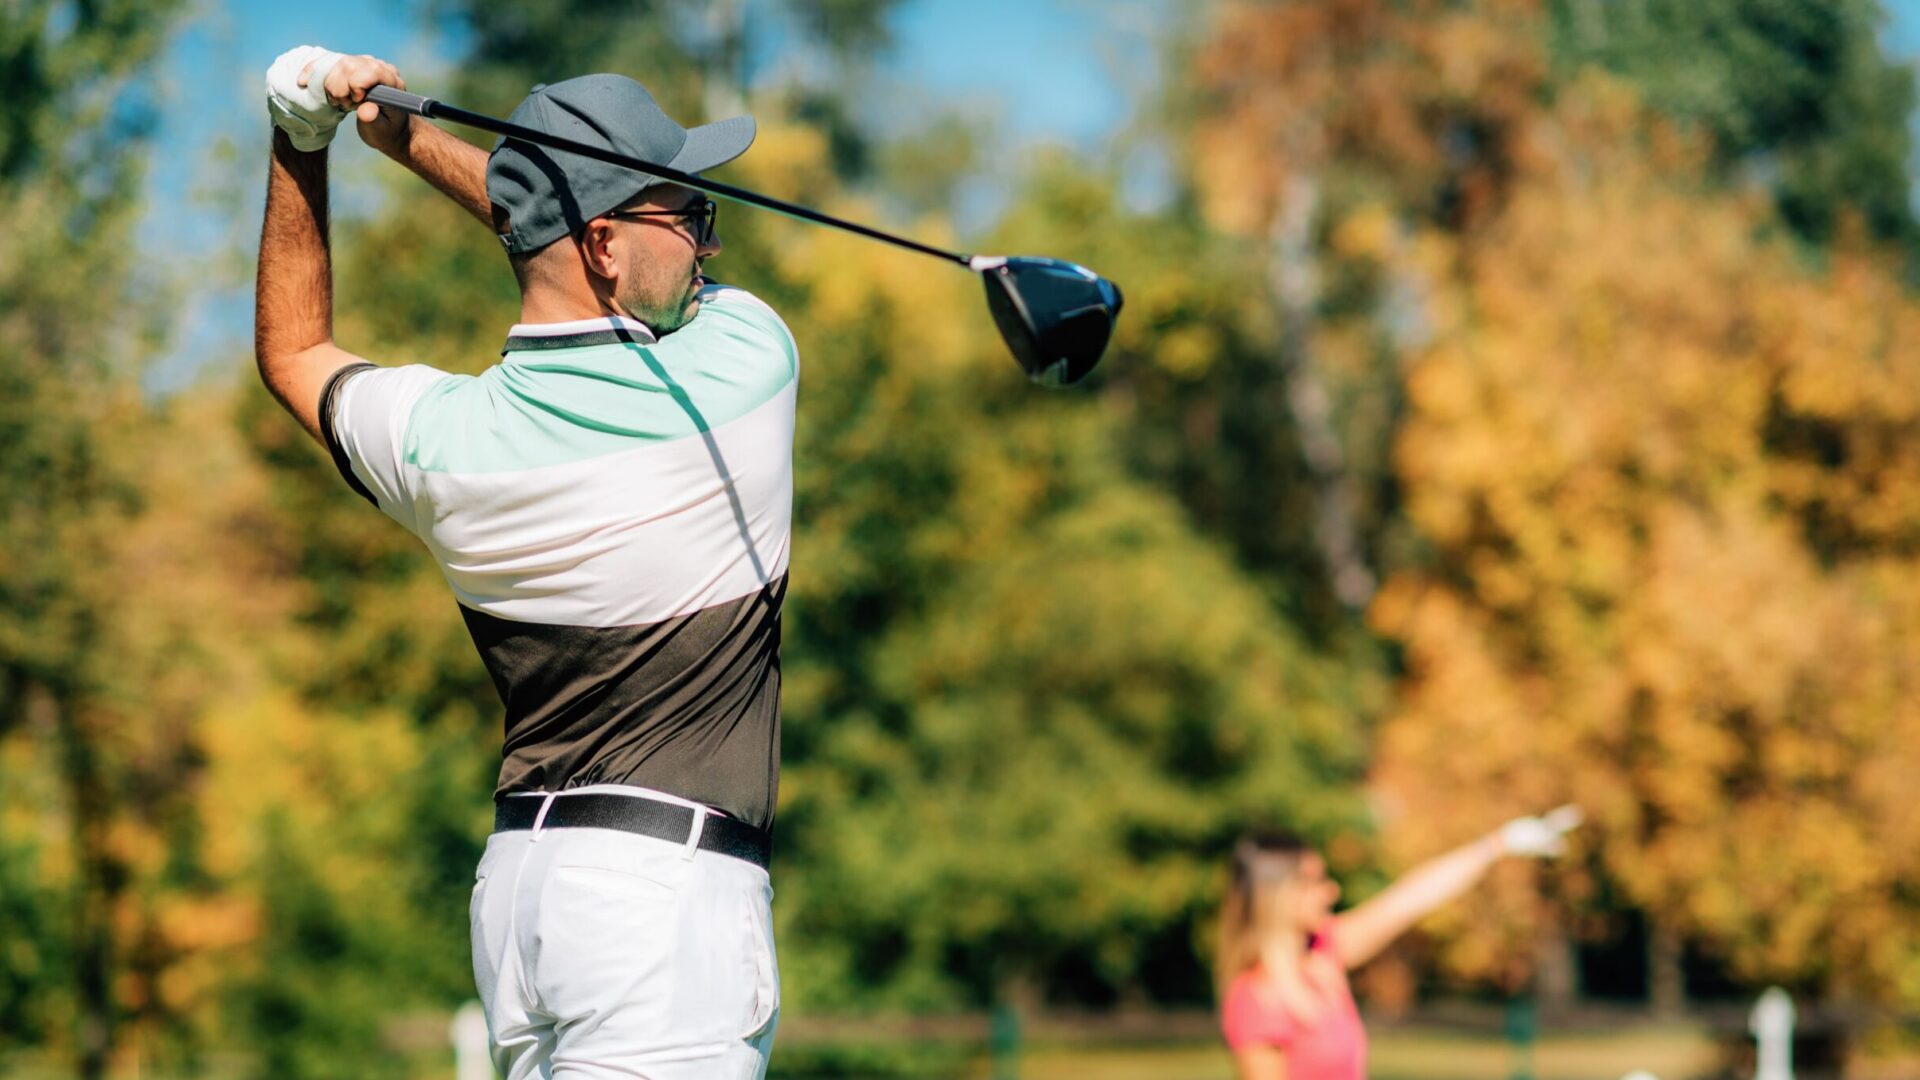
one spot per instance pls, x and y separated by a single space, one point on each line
400 99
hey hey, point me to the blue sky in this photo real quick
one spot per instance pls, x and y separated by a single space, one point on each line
1903 34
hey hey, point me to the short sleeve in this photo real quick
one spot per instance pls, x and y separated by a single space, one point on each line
364 411
1248 1022
1325 940
737 313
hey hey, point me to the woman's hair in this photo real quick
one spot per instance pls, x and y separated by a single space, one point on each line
1258 902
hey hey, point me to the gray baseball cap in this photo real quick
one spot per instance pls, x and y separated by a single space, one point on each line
548 194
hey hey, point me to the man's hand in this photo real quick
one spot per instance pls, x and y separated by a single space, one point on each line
1540 836
310 90
454 166
346 84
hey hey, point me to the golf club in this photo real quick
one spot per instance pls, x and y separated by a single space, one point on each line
1056 316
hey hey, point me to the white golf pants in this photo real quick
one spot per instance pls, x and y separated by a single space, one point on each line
602 954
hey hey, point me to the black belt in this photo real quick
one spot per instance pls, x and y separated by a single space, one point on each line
636 814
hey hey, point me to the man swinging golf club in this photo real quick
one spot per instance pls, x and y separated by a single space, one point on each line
610 504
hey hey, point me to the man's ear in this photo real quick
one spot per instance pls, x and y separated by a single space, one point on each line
596 248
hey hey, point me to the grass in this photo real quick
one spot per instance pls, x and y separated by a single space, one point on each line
1671 1053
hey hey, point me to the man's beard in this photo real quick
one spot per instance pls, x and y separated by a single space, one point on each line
666 319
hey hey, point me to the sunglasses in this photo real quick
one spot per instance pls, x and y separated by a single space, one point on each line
701 217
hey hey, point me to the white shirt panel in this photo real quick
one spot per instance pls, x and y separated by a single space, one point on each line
622 539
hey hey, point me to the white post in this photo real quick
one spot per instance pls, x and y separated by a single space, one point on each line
1639 1074
471 1057
1772 1027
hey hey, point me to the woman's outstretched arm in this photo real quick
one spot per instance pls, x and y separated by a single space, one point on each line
1371 927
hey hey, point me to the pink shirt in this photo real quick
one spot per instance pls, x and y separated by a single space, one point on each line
1333 1047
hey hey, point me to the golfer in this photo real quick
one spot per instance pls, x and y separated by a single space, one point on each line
1286 1008
610 506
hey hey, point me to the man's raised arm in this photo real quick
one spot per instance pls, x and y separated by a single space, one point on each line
293 292
308 92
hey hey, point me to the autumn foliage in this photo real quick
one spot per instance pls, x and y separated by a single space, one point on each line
1666 473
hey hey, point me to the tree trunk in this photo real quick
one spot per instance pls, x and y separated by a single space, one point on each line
96 884
1295 292
1555 971
1666 981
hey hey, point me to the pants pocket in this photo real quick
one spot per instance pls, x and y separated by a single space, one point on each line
766 973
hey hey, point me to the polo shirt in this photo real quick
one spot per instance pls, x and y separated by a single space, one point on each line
612 512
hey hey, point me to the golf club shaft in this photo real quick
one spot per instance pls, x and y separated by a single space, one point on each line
440 110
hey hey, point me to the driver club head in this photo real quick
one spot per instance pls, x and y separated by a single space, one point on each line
1056 316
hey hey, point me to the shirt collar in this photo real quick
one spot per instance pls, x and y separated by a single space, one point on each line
605 330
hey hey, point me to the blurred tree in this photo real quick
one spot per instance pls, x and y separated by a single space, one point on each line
1797 96
1329 138
70 157
1322 138
1667 484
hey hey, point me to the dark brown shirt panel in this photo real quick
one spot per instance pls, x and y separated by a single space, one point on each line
689 706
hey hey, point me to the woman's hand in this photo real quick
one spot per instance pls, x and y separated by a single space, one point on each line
1543 836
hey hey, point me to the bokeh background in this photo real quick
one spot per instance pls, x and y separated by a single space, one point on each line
1516 402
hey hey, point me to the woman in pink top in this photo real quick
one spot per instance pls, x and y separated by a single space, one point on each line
1286 1008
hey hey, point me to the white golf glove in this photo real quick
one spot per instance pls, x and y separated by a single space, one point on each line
1540 836
303 112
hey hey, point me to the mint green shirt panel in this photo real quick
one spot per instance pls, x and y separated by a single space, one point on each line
541 407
